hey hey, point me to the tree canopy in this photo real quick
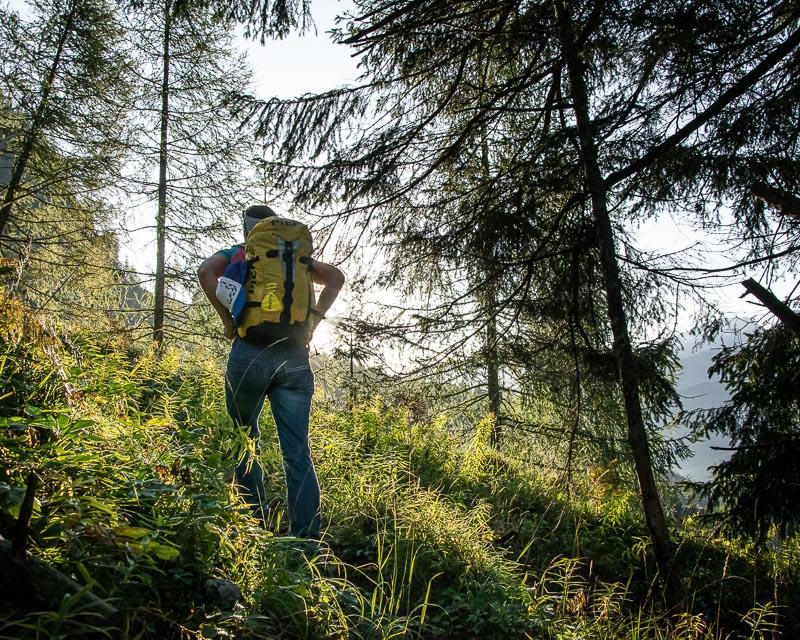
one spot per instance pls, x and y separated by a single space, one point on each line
610 112
499 154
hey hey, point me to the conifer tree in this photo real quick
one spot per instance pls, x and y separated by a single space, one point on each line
187 66
754 490
64 88
604 111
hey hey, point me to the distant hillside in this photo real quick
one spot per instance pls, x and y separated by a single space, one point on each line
699 392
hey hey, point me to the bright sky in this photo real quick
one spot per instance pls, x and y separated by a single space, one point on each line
665 235
310 63
298 64
313 63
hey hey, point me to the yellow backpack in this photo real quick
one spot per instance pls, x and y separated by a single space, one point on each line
278 289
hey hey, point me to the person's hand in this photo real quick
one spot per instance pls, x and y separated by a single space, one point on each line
230 330
314 318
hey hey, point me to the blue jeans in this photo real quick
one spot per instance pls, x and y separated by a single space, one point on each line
282 373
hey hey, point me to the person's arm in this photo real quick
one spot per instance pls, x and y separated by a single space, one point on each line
332 281
209 272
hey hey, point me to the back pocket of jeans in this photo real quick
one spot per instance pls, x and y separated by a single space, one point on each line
298 375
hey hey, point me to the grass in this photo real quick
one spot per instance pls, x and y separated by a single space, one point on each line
429 536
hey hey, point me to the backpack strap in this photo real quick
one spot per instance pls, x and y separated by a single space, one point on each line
287 251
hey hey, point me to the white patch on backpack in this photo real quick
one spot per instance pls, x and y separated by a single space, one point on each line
227 290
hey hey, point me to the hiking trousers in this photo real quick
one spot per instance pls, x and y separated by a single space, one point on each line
281 373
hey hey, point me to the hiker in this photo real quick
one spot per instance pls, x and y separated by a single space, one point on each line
277 315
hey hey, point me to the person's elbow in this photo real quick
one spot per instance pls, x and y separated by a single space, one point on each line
328 276
210 271
336 279
204 273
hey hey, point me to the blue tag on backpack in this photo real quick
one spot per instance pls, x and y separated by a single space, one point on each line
230 288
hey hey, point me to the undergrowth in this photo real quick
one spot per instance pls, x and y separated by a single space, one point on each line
426 536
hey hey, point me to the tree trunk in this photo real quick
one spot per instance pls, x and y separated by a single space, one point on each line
493 378
161 218
780 310
19 542
623 351
32 585
32 134
352 392
490 306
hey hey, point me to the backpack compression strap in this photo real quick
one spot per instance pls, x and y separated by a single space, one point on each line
286 250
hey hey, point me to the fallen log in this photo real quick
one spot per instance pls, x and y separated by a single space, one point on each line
29 584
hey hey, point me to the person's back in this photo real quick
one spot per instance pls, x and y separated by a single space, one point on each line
272 363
